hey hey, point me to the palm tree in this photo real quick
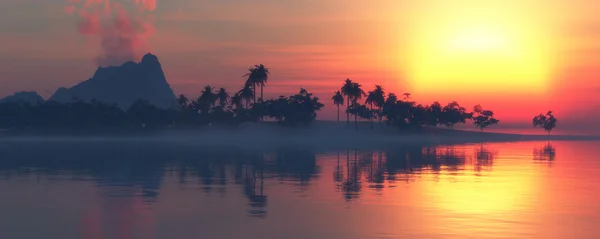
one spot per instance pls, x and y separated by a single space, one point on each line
250 81
208 95
371 98
258 75
183 102
379 99
207 98
392 98
338 99
236 100
247 94
359 110
347 91
357 92
223 97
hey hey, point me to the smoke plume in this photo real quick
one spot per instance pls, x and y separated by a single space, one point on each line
121 27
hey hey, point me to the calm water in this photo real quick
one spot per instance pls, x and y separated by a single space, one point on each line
151 190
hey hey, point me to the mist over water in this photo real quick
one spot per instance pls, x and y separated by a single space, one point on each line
153 189
584 129
320 135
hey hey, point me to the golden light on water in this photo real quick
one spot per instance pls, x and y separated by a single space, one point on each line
480 189
487 196
481 47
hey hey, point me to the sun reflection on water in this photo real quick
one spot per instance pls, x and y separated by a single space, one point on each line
512 190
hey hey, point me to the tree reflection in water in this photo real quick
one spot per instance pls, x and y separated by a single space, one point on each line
380 169
484 160
351 186
545 153
338 173
254 188
142 168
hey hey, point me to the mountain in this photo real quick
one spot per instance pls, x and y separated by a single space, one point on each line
123 85
30 97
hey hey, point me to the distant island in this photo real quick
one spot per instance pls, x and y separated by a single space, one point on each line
123 85
138 96
24 97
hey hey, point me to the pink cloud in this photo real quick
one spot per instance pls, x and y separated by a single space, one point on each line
89 23
70 9
149 5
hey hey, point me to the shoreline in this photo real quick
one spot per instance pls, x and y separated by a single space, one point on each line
267 135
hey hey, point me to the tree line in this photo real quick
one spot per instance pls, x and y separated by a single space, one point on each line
405 113
212 107
220 107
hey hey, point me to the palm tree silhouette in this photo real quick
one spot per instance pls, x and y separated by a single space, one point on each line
338 99
359 110
347 91
236 100
223 97
183 102
392 98
371 98
357 92
246 93
258 75
250 81
207 99
379 99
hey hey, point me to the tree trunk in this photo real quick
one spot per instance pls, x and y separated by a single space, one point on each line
355 123
254 92
338 113
262 118
347 113
371 116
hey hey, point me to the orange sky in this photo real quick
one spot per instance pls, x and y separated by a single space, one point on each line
517 58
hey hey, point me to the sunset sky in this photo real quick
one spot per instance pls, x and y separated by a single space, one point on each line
517 58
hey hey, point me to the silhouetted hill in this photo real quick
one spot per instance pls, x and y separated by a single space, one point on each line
30 97
123 85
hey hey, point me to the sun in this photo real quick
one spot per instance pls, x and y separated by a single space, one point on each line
477 50
470 40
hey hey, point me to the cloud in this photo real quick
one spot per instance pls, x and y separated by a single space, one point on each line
149 5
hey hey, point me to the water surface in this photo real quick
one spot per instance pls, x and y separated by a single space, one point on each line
96 190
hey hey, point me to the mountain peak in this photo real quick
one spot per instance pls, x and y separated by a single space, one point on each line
30 97
149 58
124 85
